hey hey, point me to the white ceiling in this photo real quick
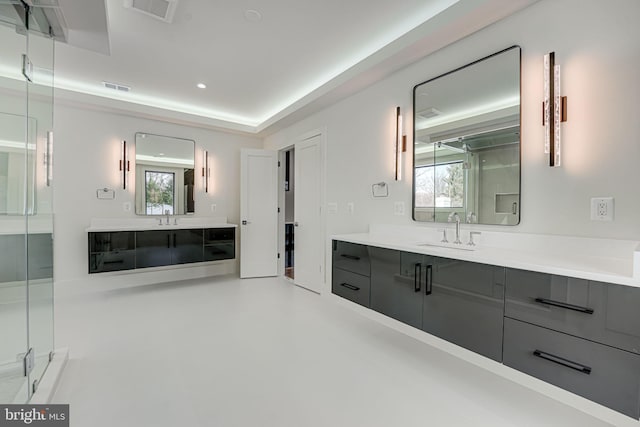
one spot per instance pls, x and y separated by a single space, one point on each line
260 76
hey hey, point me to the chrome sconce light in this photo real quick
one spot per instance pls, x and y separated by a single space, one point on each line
124 164
48 159
400 145
206 171
554 110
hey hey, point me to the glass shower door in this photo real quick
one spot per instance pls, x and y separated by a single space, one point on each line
14 386
39 184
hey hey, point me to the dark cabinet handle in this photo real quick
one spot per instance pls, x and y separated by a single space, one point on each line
348 286
562 361
168 240
114 262
353 257
417 274
565 305
429 288
175 238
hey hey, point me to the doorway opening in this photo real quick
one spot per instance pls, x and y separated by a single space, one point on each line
288 184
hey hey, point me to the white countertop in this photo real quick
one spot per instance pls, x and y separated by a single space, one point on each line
600 260
153 223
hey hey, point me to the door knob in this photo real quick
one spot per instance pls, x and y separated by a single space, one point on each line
295 224
245 222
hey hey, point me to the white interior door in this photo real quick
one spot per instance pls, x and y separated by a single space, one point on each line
309 248
258 213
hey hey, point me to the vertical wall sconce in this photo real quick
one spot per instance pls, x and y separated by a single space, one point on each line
124 164
48 159
554 110
401 144
206 171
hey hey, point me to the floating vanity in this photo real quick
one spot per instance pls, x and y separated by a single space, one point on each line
564 310
129 245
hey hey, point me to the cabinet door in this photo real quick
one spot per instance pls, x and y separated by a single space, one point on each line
397 279
111 251
219 244
466 305
187 246
153 248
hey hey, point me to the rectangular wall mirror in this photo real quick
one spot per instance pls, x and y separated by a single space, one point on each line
164 170
466 152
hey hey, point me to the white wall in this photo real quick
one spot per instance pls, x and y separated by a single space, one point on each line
596 43
87 145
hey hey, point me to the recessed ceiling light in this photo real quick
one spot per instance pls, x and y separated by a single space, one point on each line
201 85
252 15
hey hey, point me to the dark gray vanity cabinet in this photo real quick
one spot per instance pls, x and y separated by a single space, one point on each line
128 250
581 335
351 271
156 248
397 281
112 251
464 304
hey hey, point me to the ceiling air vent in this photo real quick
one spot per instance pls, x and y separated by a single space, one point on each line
428 113
116 86
159 9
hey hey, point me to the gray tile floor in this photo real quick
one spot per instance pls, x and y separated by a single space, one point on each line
262 352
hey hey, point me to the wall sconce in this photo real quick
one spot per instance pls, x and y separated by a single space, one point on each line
124 164
206 171
48 159
554 109
401 144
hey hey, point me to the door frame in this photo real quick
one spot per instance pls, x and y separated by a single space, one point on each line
322 133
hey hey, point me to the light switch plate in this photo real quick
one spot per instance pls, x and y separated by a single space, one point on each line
398 208
214 207
126 206
332 208
350 207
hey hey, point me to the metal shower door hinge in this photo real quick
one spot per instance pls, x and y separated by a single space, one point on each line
51 355
29 362
27 68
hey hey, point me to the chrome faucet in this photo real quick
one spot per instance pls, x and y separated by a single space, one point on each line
166 212
471 218
453 216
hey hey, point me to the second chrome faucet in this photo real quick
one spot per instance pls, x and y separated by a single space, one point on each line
453 216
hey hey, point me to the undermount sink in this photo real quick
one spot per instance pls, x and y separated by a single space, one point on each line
461 247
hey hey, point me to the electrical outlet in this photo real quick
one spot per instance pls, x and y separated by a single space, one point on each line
398 208
350 207
602 209
332 208
126 206
214 207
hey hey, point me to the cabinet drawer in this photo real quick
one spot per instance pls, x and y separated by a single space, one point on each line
351 257
600 373
600 312
219 251
111 241
112 261
351 286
